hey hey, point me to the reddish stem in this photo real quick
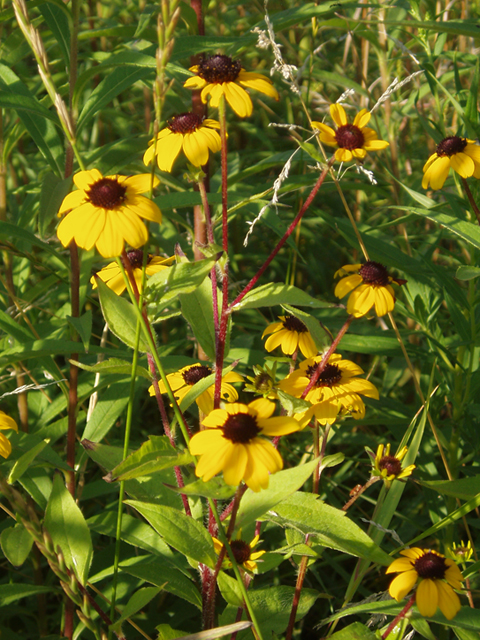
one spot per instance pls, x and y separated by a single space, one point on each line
285 237
401 615
333 347
302 572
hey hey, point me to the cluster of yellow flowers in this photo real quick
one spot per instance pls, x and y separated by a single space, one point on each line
109 212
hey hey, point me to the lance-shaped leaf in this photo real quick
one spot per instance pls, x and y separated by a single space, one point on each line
183 533
183 277
154 455
275 293
65 523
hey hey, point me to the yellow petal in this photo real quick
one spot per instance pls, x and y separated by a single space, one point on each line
462 164
195 149
402 584
139 184
361 300
6 422
261 408
238 99
437 173
277 426
235 464
338 114
343 155
5 446
345 285
448 601
195 82
85 179
72 201
362 118
168 150
427 597
258 82
143 207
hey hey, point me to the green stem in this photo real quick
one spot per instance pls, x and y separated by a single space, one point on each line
241 585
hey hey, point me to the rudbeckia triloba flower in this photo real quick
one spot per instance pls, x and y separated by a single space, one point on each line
113 277
352 140
183 380
106 212
220 75
439 576
232 443
337 389
290 334
461 154
369 286
390 467
186 132
6 423
242 552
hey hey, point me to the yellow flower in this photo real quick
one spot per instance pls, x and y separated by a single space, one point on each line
232 443
337 389
6 423
461 154
390 467
290 334
219 76
369 285
438 577
106 212
113 277
352 140
183 380
186 132
242 552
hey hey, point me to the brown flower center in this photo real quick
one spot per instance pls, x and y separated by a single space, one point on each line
431 566
219 68
240 428
349 136
196 373
241 551
291 323
107 193
392 465
135 258
374 273
451 145
185 123
331 375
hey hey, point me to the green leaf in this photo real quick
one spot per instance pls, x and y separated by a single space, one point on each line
291 404
181 532
120 316
65 523
138 601
23 463
108 409
275 293
330 527
355 631
58 22
36 118
214 488
154 455
464 489
182 277
120 79
113 366
16 544
158 572
53 191
272 606
83 326
466 230
467 272
281 485
12 592
197 309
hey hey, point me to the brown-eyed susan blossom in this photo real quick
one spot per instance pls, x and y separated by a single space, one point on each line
369 286
219 76
186 132
437 576
106 212
183 380
336 391
244 553
290 334
352 139
390 467
460 154
6 422
113 276
233 442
